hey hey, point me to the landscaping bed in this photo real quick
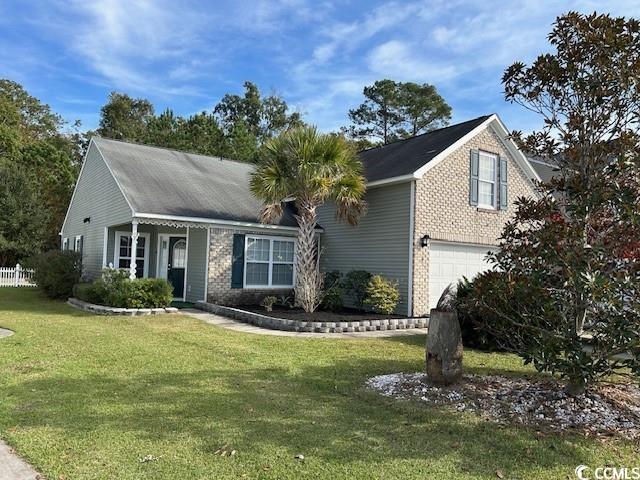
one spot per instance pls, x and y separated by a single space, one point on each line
605 410
344 315
329 323
106 310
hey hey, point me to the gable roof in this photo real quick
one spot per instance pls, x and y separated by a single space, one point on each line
168 183
404 157
410 159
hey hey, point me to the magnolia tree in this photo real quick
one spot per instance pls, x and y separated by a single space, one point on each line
309 168
569 291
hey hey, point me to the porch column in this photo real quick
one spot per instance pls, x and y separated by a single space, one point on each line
134 249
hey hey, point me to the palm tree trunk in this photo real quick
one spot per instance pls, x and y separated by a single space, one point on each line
308 288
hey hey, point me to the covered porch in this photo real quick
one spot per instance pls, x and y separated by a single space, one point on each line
150 249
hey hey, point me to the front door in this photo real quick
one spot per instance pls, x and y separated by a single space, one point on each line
176 263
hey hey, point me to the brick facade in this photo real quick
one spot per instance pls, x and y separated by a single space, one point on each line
442 208
219 289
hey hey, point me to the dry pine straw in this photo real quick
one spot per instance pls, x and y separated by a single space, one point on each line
605 410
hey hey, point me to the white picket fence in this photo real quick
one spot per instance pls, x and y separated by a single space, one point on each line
16 277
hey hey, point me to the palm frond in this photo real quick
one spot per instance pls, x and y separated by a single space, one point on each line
271 213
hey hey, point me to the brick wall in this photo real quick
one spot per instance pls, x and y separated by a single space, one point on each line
443 212
220 259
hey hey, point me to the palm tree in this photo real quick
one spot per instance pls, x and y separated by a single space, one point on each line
309 168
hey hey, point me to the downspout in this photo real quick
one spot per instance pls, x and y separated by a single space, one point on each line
412 209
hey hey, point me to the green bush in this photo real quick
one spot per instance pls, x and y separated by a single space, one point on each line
355 284
56 272
86 293
333 295
114 289
149 293
382 294
471 315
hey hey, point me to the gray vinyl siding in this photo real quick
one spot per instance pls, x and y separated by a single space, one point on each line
196 264
378 244
96 196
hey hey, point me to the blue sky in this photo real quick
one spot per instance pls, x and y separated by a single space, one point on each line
317 54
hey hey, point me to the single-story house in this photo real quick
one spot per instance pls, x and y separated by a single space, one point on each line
437 203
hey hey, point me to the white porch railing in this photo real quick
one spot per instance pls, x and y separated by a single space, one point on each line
16 277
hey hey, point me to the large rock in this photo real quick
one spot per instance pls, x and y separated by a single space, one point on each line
444 348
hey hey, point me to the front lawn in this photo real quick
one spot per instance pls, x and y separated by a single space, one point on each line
85 396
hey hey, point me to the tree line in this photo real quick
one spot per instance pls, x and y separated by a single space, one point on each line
41 153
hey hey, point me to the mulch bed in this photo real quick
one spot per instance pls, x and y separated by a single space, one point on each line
605 410
345 315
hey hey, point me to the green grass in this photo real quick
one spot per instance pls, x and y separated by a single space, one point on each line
85 396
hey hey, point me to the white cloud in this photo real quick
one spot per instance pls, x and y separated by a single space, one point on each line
403 61
346 37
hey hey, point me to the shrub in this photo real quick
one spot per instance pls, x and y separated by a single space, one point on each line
355 284
268 302
109 288
86 293
333 295
382 294
56 272
115 289
285 301
149 293
472 317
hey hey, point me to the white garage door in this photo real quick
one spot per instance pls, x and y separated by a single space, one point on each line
449 262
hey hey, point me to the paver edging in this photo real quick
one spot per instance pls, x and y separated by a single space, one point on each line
104 310
285 324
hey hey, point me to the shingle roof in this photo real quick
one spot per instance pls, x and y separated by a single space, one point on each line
545 170
168 182
404 157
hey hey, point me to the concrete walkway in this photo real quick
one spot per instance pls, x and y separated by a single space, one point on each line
13 467
231 324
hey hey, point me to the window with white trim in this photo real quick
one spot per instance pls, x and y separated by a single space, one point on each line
487 171
77 244
269 262
124 244
65 244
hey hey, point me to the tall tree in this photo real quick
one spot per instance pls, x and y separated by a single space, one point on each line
311 168
422 108
32 141
574 254
36 120
379 116
125 118
242 144
394 110
23 222
263 117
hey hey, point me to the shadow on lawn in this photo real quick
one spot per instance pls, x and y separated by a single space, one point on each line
322 412
33 301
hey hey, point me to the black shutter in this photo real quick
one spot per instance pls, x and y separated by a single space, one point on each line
474 165
237 263
504 201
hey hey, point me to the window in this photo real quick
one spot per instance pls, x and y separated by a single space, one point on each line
487 180
122 258
269 262
179 258
77 245
65 244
